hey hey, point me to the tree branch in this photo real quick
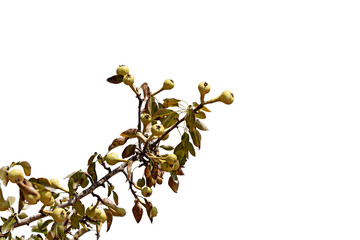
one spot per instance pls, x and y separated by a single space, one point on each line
28 220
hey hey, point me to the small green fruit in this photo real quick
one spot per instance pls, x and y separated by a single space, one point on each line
112 158
153 211
129 79
59 215
176 165
145 119
157 129
102 218
16 176
45 196
140 182
146 191
31 198
168 84
171 158
90 212
204 88
50 202
122 70
167 167
226 97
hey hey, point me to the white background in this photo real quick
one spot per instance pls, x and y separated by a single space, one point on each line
282 162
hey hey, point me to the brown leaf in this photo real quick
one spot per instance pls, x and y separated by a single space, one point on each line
118 142
116 79
129 169
129 151
146 90
109 219
130 133
92 157
173 182
200 125
137 211
148 209
171 102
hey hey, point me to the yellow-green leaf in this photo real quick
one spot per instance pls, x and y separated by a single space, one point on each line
27 167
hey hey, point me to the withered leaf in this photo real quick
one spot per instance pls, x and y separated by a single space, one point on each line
109 219
148 209
116 79
27 167
137 211
4 175
173 182
130 133
92 172
129 151
146 90
115 197
162 112
92 157
129 169
118 142
171 102
200 125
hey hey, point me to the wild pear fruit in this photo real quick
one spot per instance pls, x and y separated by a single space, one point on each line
15 176
129 79
140 182
31 198
145 118
45 196
168 84
171 158
146 191
157 129
176 166
204 88
167 167
153 211
226 97
102 218
59 214
122 70
112 158
90 211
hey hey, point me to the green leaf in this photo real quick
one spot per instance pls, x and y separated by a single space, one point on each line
129 151
27 167
191 149
115 197
116 79
200 125
8 225
22 215
80 208
75 221
130 133
170 120
162 112
179 151
190 119
167 147
92 172
171 102
196 138
200 115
